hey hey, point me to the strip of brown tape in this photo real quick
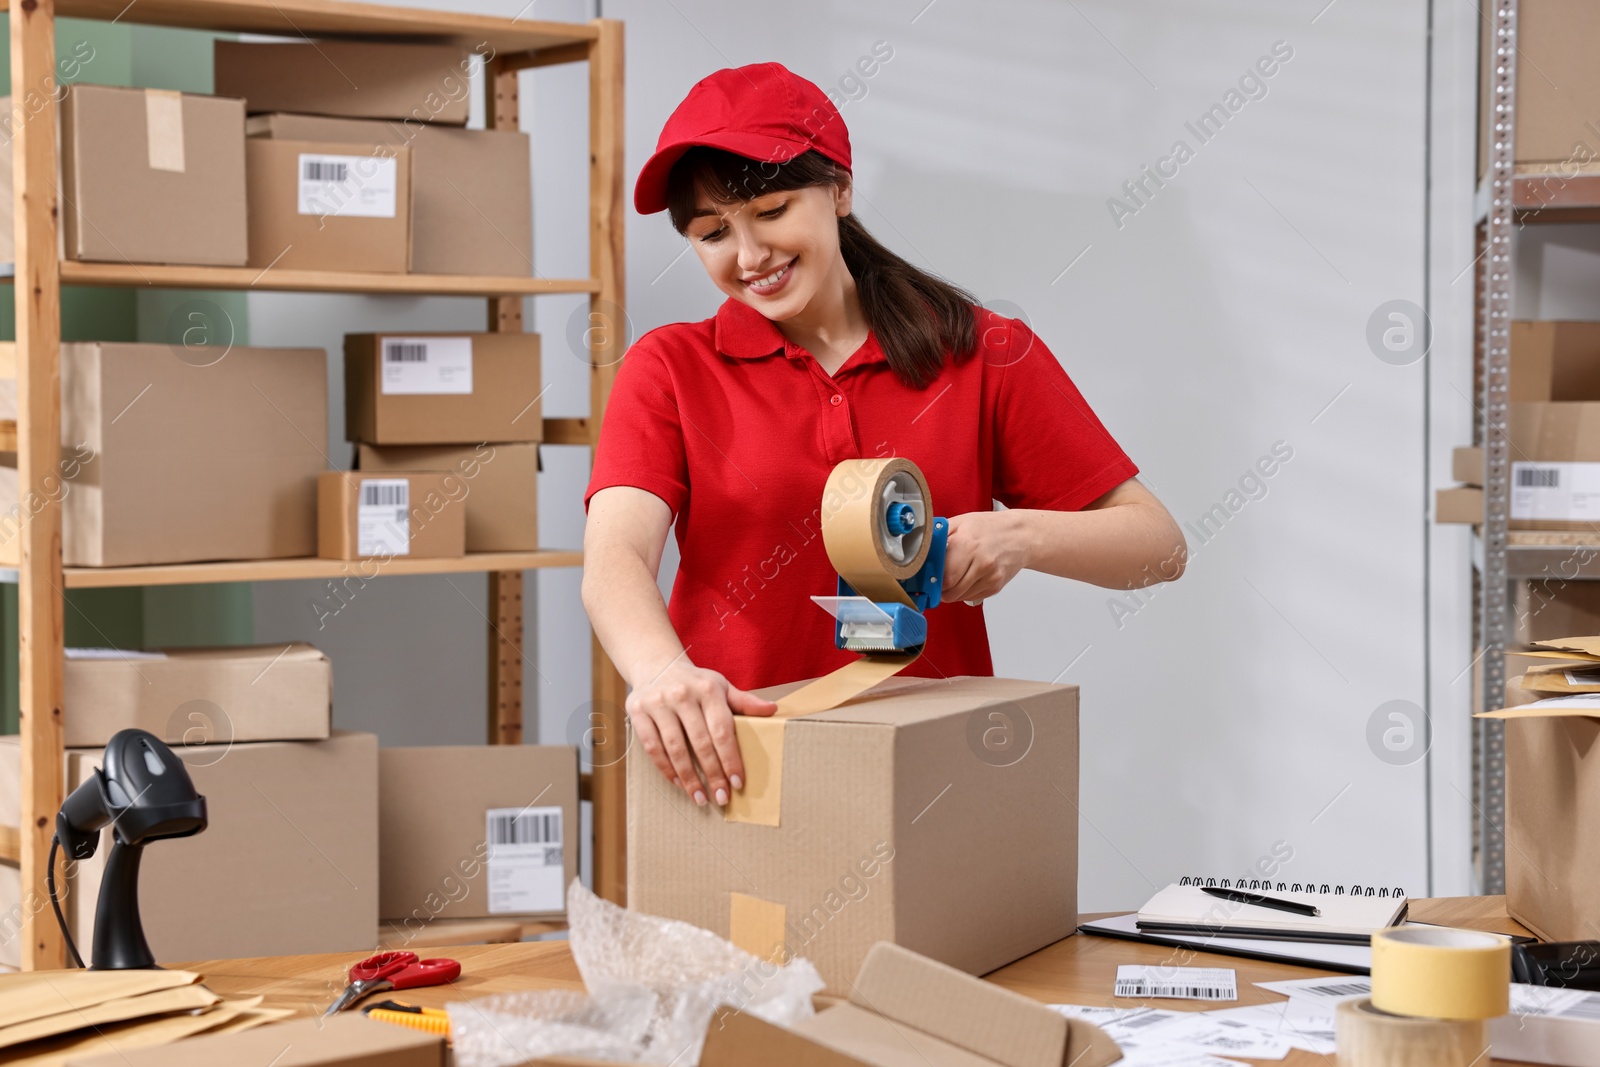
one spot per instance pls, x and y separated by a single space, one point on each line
761 739
757 926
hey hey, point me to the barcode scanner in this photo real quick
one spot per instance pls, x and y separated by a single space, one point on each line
143 792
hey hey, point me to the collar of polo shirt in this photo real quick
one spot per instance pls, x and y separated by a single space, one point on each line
744 333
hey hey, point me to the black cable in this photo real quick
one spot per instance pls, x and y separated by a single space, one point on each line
50 884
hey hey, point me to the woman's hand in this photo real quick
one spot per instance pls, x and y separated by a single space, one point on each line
984 551
686 715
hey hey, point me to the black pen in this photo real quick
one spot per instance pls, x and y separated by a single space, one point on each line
1260 901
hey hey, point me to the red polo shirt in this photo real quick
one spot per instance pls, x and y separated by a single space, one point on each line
737 430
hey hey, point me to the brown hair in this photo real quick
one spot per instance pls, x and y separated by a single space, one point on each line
918 317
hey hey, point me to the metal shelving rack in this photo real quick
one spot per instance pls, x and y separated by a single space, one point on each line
518 45
1508 199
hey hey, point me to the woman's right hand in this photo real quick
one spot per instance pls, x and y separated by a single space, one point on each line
685 715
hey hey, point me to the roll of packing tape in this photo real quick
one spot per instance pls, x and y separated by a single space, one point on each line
1437 972
1367 1037
869 555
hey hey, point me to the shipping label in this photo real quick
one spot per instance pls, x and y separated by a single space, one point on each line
1561 492
349 186
383 517
426 365
526 865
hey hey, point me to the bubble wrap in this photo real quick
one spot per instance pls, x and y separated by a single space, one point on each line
652 983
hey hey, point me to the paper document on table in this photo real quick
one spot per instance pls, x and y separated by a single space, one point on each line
1177 983
1305 1024
1330 990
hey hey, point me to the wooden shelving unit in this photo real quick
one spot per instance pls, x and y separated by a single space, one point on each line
511 45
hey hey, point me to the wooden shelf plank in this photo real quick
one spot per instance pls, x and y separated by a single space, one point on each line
324 281
273 570
334 18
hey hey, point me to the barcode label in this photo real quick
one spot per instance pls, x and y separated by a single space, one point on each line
1341 989
432 366
320 170
347 186
1555 492
383 517
1179 983
527 860
405 352
525 827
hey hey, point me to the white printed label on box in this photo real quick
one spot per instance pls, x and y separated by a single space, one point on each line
383 517
426 365
1563 492
350 186
526 863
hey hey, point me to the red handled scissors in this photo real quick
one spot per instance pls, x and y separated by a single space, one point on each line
393 970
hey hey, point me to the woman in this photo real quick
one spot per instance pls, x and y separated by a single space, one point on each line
828 347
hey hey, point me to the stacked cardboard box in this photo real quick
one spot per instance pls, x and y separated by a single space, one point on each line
287 864
1557 83
1553 436
359 160
465 405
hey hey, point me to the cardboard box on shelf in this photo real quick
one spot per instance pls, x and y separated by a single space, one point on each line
1548 608
1458 504
287 864
501 840
418 514
1555 466
414 83
152 176
1552 808
471 199
176 455
1554 360
902 1005
502 487
940 815
329 206
442 388
1557 83
1466 465
198 697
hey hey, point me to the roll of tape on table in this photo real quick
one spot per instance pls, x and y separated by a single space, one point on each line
855 500
1437 972
1367 1037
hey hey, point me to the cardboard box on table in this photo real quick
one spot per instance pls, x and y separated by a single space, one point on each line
442 388
417 514
288 862
348 1040
415 83
198 696
502 486
936 814
151 176
176 455
1553 822
501 840
471 200
336 207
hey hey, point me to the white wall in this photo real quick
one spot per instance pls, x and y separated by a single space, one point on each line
1230 711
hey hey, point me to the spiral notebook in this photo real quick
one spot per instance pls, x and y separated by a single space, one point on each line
1349 914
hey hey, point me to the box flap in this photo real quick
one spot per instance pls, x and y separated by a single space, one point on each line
903 701
736 1039
343 1039
1586 705
983 1018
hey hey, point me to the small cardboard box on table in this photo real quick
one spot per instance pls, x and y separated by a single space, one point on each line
937 814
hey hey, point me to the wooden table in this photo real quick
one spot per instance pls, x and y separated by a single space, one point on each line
1076 970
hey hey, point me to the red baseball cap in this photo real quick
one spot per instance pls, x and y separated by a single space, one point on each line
763 112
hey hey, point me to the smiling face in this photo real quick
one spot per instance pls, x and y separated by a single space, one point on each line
776 251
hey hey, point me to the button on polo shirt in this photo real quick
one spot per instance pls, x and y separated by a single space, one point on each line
737 429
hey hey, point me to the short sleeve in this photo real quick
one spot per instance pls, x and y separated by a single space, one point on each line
641 437
1051 451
